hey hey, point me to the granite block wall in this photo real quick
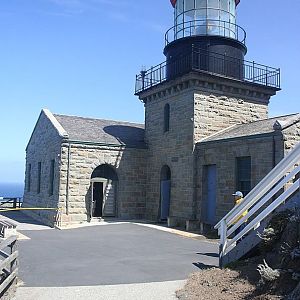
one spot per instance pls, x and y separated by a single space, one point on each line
130 166
173 148
215 111
291 136
265 152
44 146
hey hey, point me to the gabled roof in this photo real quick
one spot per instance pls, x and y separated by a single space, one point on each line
266 126
102 131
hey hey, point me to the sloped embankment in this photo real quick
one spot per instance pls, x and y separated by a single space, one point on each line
273 274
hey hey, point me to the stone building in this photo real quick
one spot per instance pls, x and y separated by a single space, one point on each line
206 134
73 161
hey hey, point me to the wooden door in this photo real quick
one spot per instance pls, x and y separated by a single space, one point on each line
211 194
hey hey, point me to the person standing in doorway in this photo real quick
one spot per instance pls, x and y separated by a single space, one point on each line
238 199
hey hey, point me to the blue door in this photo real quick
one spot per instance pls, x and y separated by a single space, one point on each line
211 194
165 189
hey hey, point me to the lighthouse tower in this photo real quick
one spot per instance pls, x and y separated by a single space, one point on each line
204 86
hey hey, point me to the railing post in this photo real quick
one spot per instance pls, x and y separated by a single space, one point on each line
151 74
13 248
160 68
253 68
266 76
223 240
143 75
192 62
225 64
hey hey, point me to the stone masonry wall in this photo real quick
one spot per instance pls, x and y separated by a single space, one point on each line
291 136
130 166
215 111
199 108
223 155
43 147
173 148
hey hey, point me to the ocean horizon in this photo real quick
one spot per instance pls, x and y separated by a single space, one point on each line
13 190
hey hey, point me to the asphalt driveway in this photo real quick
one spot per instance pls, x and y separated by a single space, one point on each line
110 255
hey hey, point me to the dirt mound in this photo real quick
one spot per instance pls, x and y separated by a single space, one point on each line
278 262
226 284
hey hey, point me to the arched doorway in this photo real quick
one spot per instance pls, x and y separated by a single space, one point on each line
165 192
104 182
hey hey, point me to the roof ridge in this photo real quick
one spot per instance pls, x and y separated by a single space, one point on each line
217 133
254 128
284 124
273 118
98 119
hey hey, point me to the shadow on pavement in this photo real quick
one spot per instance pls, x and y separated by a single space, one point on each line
213 254
23 221
203 266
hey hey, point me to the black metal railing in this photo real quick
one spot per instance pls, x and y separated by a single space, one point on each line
13 202
205 27
209 62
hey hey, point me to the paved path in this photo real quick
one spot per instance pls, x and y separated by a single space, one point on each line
144 291
114 261
111 254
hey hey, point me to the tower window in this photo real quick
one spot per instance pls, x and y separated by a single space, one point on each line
243 174
166 117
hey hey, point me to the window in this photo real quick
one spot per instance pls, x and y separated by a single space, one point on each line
51 186
166 117
39 177
243 174
29 178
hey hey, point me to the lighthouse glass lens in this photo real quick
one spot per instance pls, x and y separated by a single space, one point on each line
201 3
213 3
232 7
224 5
202 17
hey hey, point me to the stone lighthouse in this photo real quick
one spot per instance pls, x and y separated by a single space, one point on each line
204 86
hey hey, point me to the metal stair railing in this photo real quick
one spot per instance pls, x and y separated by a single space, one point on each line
260 201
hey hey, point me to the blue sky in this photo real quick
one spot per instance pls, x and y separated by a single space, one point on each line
80 57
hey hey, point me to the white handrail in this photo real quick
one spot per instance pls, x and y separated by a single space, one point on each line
265 199
264 185
266 212
285 171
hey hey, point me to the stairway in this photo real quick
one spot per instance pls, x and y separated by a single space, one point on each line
279 190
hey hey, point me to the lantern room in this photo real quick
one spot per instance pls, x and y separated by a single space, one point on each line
210 27
216 17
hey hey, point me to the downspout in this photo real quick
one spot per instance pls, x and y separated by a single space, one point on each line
68 179
274 151
195 183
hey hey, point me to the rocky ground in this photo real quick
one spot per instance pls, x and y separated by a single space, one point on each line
273 274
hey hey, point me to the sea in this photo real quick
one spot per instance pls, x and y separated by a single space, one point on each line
12 190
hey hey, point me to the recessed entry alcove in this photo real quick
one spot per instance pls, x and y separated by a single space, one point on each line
104 187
